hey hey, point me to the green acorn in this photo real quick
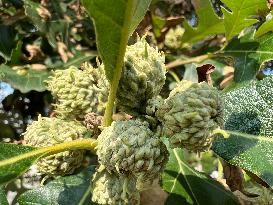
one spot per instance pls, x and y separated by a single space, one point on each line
173 38
112 189
50 131
190 114
143 77
131 149
79 91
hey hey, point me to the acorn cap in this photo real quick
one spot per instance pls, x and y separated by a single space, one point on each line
50 131
190 114
142 78
112 189
79 92
131 149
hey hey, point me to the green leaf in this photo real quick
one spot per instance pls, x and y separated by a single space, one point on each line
7 41
74 189
32 13
15 160
158 24
30 80
78 59
265 27
240 15
208 24
54 27
188 185
11 171
140 9
3 198
248 55
248 111
114 22
16 54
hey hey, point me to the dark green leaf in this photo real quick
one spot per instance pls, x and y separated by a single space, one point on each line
11 171
188 185
248 55
208 24
74 189
240 15
25 82
248 110
3 198
7 41
114 22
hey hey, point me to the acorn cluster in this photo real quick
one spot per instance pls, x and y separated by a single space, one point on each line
131 153
79 93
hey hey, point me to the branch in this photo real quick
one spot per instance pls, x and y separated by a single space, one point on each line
197 59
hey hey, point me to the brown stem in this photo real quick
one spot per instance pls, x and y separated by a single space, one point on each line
179 62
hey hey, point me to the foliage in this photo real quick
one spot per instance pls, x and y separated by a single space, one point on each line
38 37
74 189
209 24
248 55
241 15
248 110
190 186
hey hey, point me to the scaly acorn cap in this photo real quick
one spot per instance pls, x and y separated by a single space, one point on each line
142 78
50 131
173 38
112 189
153 105
190 114
79 92
131 149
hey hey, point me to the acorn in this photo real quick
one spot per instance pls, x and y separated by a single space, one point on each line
143 77
79 92
47 132
190 115
173 38
112 189
131 149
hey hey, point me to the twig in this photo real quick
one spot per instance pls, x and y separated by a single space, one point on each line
197 59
